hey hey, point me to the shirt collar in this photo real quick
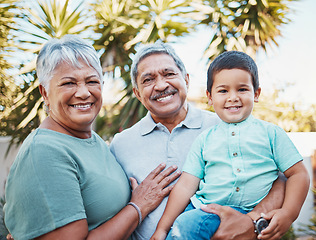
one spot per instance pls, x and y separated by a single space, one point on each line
193 119
240 124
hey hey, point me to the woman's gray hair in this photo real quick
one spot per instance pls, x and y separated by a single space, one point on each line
147 50
69 49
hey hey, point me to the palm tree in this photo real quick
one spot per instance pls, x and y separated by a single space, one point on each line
7 85
243 25
123 25
39 22
235 25
119 27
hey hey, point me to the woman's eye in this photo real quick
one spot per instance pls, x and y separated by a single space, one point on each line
94 82
67 83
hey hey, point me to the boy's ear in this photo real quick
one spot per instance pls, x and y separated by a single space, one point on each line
187 80
209 97
257 94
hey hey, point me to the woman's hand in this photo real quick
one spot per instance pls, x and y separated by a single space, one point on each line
155 187
159 234
9 237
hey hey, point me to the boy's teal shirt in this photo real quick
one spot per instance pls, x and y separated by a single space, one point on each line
238 162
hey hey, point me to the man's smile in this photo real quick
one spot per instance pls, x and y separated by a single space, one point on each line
166 95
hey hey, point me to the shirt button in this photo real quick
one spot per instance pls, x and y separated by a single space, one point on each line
235 154
233 133
238 170
237 189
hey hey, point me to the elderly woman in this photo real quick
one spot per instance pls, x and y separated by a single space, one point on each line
65 183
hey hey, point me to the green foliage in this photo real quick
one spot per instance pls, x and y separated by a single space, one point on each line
310 229
3 229
122 25
39 21
7 85
243 25
117 28
289 235
287 115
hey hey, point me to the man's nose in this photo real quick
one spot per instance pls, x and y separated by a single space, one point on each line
161 83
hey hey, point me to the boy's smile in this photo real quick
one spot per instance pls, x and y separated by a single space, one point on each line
233 95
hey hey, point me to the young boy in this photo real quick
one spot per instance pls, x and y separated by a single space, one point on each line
235 162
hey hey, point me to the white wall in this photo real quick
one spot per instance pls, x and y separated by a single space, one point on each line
306 144
5 161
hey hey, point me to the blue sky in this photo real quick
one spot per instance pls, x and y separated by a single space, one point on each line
291 66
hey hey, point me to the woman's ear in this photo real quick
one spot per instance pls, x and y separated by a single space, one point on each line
44 94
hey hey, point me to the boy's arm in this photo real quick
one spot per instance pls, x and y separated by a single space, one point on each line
177 202
274 200
237 226
297 187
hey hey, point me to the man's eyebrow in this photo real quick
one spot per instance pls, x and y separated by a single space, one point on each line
144 75
169 69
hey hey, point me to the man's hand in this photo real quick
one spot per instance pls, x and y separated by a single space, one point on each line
234 225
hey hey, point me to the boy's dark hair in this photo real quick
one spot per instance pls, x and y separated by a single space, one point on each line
231 60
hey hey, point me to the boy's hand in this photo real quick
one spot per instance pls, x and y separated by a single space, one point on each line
159 234
280 222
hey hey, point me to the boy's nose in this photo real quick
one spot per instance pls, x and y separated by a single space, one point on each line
233 97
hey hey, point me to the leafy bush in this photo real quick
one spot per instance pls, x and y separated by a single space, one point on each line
310 229
3 229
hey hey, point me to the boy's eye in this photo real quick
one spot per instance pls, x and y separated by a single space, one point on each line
243 89
222 91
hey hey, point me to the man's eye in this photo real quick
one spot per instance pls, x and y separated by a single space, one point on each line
146 80
170 74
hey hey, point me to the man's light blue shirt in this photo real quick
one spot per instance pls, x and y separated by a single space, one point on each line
238 162
141 148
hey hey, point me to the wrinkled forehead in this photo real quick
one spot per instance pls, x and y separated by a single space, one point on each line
156 62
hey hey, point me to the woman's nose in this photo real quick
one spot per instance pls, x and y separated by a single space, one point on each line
82 91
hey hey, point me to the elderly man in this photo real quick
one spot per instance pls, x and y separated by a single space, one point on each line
165 134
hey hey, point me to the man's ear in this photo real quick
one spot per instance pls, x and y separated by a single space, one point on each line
44 94
136 92
209 97
257 94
